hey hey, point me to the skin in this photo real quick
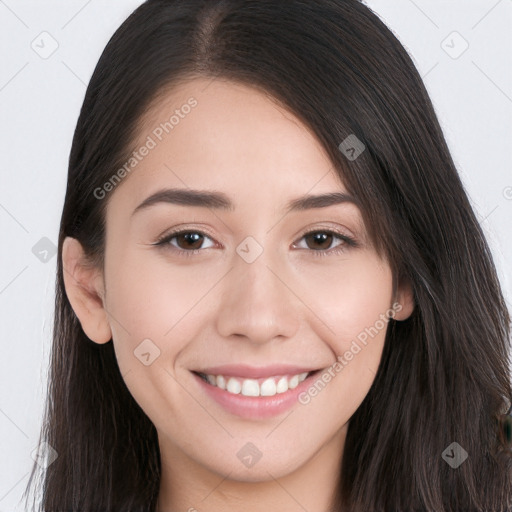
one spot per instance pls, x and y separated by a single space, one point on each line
289 305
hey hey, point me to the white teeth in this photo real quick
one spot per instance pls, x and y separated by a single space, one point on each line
221 382
268 387
252 387
282 385
293 382
234 386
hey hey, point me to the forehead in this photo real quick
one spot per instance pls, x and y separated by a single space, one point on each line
221 135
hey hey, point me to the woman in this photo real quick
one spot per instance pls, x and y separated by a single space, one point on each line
272 291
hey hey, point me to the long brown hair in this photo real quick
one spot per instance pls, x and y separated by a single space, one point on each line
444 374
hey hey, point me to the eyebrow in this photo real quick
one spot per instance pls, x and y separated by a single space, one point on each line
220 201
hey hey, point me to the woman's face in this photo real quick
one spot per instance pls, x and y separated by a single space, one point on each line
256 294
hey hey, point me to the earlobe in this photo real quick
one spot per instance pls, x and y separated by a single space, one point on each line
404 302
84 288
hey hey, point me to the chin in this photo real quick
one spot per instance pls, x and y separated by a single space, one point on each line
264 469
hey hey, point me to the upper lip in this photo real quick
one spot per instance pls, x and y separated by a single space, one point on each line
254 372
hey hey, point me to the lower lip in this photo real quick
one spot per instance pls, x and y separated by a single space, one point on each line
255 407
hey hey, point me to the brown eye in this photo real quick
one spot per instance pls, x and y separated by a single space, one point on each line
185 241
319 243
321 240
189 240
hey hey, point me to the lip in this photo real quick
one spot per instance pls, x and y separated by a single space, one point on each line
252 407
253 372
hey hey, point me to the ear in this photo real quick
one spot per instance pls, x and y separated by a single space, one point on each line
85 291
404 301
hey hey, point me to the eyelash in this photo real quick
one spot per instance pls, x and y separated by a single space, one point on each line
348 241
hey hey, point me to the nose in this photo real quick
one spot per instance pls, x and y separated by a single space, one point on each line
257 302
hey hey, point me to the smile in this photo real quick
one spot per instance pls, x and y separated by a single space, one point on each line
254 393
255 387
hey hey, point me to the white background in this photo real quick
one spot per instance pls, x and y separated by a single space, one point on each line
39 105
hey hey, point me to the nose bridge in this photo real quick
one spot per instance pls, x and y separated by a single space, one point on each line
256 302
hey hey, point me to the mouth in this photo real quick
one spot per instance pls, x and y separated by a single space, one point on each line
254 394
264 386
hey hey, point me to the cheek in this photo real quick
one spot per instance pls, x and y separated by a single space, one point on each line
364 299
155 312
351 296
355 304
155 299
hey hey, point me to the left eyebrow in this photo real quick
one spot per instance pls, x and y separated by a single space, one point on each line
219 200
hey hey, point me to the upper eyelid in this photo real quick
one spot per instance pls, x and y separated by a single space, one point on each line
319 226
